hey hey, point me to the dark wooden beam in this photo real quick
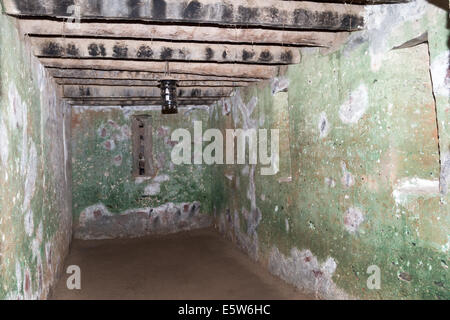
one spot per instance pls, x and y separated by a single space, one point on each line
88 73
92 48
72 91
269 13
363 2
146 83
141 102
205 69
184 33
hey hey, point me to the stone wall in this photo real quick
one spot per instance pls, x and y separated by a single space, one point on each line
362 181
109 201
35 174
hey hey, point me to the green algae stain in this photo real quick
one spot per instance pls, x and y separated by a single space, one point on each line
357 134
34 195
102 163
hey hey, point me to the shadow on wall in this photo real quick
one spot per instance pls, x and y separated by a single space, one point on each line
445 5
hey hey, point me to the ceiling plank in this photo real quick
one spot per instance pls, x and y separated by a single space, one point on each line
206 69
360 1
269 13
72 91
180 33
148 102
145 83
59 73
163 51
158 99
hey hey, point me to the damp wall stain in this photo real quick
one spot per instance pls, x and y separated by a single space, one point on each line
35 174
366 127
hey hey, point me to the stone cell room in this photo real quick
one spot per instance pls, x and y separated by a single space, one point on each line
224 150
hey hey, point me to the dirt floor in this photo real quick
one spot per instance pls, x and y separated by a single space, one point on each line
191 265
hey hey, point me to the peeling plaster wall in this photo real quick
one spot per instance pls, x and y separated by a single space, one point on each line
109 202
35 174
368 163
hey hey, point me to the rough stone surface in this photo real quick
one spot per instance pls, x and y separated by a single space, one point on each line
97 222
368 146
35 175
109 202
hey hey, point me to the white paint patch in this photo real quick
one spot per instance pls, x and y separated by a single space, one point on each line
352 110
140 180
440 72
24 152
279 85
4 143
14 107
330 182
407 189
352 219
245 170
245 111
35 248
66 152
445 172
152 189
251 192
382 20
40 233
285 179
324 125
347 179
18 275
161 178
303 270
262 119
28 223
123 134
445 248
24 138
30 181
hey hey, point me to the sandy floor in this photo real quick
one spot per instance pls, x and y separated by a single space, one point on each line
190 265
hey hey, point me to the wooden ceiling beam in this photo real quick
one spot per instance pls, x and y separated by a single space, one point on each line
147 83
59 73
204 69
147 102
140 102
156 104
364 2
180 33
268 13
72 91
92 48
137 99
